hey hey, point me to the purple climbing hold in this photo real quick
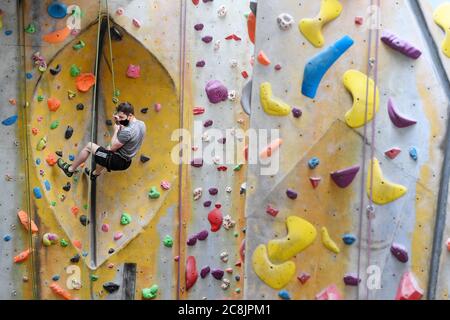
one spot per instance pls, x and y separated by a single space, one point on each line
213 191
296 112
351 279
201 64
400 45
207 39
399 120
199 26
208 123
399 251
192 240
207 204
217 274
204 272
202 235
216 91
291 194
343 178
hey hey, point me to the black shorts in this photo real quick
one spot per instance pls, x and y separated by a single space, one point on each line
111 160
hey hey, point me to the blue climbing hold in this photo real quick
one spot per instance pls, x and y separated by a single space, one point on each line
57 10
413 153
9 121
29 75
7 238
71 157
84 253
56 277
283 294
47 185
8 32
37 193
316 68
38 161
313 163
348 239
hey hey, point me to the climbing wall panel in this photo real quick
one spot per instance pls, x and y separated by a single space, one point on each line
416 91
222 58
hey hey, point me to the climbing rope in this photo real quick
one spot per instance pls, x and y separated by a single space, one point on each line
113 77
371 64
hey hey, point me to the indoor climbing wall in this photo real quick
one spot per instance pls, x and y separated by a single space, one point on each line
308 232
218 57
15 279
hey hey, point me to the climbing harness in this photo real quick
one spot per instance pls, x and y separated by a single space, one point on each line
372 65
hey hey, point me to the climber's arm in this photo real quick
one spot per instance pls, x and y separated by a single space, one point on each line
115 143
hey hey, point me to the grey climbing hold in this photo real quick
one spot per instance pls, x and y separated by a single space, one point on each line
246 97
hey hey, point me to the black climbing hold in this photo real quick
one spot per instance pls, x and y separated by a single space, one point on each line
115 34
75 258
67 187
80 106
144 158
59 153
69 132
111 251
55 71
84 220
237 278
144 110
111 287
109 123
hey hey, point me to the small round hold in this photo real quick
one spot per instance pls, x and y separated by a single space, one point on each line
120 11
69 132
285 21
80 106
57 10
84 220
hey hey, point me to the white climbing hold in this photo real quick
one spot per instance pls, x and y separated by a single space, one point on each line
222 11
198 193
285 21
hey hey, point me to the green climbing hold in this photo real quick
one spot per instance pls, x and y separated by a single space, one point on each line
238 290
238 167
168 241
80 45
64 243
94 277
41 144
236 234
54 124
40 98
117 93
154 194
125 219
31 28
85 207
74 71
53 203
150 293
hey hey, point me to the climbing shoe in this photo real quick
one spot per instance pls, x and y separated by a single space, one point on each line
64 167
88 173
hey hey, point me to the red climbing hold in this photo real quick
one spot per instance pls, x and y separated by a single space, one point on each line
393 153
251 27
303 277
272 211
191 272
409 288
198 110
215 218
315 181
244 74
195 2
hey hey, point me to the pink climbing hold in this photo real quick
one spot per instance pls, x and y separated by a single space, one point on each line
118 235
191 272
359 20
329 293
393 153
158 107
343 178
137 23
215 218
216 91
165 185
105 227
409 288
315 181
133 71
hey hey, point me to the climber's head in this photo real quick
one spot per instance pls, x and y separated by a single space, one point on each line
124 113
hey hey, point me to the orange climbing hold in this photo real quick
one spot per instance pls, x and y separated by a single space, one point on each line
75 211
263 59
60 291
51 160
25 221
53 104
77 244
22 256
85 81
251 26
274 146
57 36
34 131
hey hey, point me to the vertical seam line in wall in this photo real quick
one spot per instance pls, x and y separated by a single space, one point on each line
441 210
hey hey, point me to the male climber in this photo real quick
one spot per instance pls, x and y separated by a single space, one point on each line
126 141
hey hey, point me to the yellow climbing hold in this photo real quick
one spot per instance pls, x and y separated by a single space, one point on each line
384 191
312 28
300 235
328 242
442 18
272 105
275 276
356 83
